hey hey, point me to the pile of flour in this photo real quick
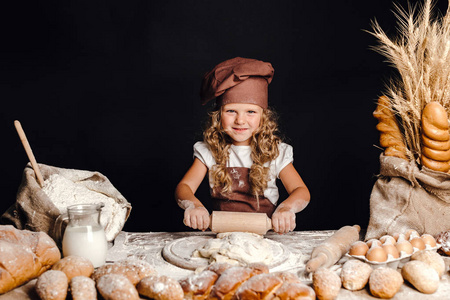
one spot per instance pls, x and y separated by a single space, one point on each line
237 248
64 192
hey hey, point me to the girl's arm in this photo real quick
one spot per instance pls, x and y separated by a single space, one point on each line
283 219
195 213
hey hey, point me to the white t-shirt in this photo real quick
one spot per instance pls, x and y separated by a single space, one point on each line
240 157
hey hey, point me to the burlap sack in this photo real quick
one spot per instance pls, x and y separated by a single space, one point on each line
34 210
405 197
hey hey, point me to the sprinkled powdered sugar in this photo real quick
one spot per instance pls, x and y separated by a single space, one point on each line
64 192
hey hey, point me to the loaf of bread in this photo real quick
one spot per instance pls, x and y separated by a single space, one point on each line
293 291
355 274
24 255
74 266
390 136
134 269
259 287
443 238
385 282
435 138
83 288
433 259
160 287
198 286
116 287
52 285
423 277
326 284
230 280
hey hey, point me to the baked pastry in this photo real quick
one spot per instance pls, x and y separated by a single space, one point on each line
435 138
74 266
133 269
198 286
385 282
83 288
294 291
390 136
52 285
160 287
423 277
326 284
443 239
218 268
229 282
355 274
24 255
116 287
259 287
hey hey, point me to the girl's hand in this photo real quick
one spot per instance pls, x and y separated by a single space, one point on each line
196 218
283 220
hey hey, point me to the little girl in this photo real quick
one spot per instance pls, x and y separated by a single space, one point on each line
241 151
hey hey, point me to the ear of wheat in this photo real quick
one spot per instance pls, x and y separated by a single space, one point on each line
420 53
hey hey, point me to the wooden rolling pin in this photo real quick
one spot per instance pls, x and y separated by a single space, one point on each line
332 249
229 221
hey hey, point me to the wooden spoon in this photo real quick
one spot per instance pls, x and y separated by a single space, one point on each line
29 152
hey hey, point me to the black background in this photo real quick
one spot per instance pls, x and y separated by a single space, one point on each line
112 86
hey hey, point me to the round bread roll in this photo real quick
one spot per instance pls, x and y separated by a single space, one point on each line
52 285
385 282
433 259
230 280
83 288
423 277
133 269
326 284
74 266
293 291
355 274
116 287
259 287
160 287
198 286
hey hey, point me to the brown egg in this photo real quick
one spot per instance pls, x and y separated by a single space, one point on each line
358 248
404 246
428 239
376 254
371 241
389 238
391 250
411 233
418 243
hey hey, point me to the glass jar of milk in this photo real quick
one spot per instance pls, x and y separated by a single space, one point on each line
84 236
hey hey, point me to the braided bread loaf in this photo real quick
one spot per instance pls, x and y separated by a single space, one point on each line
435 138
390 136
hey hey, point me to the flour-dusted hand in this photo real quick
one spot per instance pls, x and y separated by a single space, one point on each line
196 218
283 220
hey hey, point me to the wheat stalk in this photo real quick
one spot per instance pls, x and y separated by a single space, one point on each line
421 55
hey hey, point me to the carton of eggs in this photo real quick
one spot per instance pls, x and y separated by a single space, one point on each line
392 250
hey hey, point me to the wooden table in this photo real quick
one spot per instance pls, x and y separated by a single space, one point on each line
148 246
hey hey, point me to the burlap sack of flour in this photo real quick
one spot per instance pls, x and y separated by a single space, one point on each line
405 197
38 208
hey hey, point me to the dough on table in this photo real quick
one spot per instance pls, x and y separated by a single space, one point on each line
236 248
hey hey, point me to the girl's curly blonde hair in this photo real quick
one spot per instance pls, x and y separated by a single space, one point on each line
264 146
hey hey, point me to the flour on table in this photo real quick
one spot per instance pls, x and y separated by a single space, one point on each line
238 248
64 192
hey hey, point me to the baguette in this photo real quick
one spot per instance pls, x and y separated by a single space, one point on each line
390 136
435 138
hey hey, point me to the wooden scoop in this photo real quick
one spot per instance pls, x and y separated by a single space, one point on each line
29 152
229 221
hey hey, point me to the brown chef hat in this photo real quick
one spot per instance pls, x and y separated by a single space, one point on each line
238 80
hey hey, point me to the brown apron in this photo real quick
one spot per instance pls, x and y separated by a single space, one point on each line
241 199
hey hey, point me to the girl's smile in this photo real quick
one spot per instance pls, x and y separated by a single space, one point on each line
240 120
